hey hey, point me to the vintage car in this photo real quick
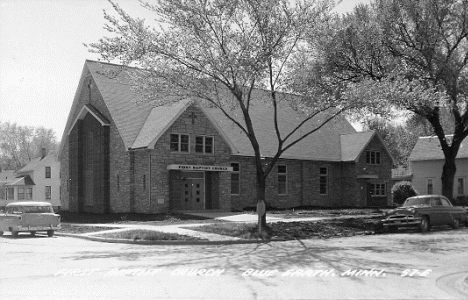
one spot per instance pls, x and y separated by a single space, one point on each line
424 211
29 216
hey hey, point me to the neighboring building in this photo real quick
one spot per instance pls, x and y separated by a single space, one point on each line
427 161
39 180
5 177
121 154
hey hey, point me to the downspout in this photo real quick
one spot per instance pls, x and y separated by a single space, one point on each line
302 183
149 178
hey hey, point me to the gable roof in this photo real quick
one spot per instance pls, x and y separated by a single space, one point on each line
37 163
140 123
353 144
428 148
21 181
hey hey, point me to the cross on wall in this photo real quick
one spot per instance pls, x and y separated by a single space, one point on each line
193 117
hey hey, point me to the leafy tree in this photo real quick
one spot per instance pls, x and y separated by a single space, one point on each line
219 52
408 55
20 144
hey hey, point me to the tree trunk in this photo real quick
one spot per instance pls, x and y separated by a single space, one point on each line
448 177
261 211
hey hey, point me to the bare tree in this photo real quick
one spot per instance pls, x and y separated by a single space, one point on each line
20 144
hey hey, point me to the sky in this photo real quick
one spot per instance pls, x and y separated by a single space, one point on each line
42 55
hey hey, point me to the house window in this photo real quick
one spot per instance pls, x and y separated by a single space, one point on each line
48 192
430 185
144 181
24 193
2 193
461 186
378 189
204 144
323 184
282 180
118 183
21 193
235 179
373 157
10 193
47 172
180 142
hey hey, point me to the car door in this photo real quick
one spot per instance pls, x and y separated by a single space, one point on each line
436 211
447 211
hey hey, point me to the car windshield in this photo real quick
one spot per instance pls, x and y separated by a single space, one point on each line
417 201
28 209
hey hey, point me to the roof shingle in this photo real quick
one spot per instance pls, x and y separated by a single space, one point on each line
140 123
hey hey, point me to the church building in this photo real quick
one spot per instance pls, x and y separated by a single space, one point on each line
121 154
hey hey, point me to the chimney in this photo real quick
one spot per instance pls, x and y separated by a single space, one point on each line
43 153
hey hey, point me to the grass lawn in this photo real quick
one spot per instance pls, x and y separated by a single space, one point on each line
78 229
148 235
118 218
296 230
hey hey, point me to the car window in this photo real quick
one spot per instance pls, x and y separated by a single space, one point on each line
445 202
436 202
417 201
37 209
14 210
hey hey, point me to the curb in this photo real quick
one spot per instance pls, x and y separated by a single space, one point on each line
167 242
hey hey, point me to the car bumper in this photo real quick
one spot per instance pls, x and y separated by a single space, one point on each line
36 228
401 221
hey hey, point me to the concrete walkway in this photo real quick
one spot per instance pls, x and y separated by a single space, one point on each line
183 229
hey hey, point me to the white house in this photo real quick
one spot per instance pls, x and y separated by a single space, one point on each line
427 160
39 180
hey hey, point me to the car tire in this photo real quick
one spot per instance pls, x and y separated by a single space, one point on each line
14 234
33 233
50 233
1 233
424 226
455 223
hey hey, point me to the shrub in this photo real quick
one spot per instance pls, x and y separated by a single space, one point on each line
402 190
460 201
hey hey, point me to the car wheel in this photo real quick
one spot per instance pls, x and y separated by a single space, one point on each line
455 223
14 234
33 233
424 225
50 233
1 233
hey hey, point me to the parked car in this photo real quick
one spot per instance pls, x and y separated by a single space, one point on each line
424 211
29 216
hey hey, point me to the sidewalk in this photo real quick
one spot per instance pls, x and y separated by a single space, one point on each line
207 238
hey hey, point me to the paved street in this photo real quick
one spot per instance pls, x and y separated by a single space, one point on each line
397 266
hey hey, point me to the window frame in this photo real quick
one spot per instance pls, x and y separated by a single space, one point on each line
431 180
204 144
48 192
48 172
325 177
179 142
378 189
10 196
461 188
21 193
373 157
285 176
237 173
